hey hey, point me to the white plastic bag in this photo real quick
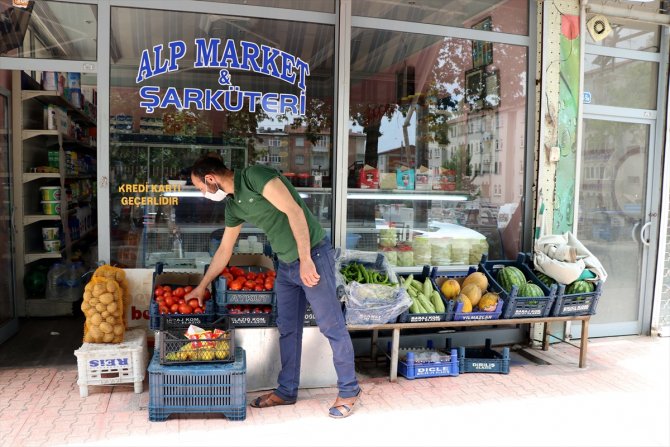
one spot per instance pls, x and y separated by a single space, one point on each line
375 303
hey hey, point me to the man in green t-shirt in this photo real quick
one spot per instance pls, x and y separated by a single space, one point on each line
306 270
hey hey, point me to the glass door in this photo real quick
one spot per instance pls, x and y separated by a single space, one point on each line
614 218
8 320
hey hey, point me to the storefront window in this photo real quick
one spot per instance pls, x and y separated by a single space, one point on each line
48 30
436 147
302 5
153 145
631 35
608 79
509 16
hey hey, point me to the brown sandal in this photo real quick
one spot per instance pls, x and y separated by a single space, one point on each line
344 406
270 400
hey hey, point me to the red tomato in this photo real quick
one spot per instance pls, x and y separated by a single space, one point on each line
269 284
246 289
271 274
163 310
236 271
260 276
160 299
198 310
181 301
174 308
251 276
229 277
208 294
169 301
235 286
185 309
249 284
193 302
159 291
188 289
179 292
167 289
225 270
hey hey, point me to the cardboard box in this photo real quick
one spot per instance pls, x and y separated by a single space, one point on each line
404 178
368 177
424 178
387 180
248 260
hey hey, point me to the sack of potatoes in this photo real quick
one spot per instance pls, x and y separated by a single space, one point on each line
103 305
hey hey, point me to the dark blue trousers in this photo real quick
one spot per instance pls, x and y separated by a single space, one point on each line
292 298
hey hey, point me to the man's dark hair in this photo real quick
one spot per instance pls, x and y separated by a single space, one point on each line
208 164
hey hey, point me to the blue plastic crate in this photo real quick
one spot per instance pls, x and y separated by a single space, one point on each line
203 388
447 315
445 367
175 348
574 304
410 368
168 321
457 313
518 306
249 263
483 360
264 319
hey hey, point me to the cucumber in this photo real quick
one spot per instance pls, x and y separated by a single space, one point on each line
425 303
437 302
427 287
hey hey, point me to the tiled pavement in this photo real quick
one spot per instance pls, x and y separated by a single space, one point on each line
621 398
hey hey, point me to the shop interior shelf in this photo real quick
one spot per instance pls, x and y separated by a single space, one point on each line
53 97
31 176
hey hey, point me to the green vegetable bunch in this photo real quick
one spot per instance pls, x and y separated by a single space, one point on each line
355 271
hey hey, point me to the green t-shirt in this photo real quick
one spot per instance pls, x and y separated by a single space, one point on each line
249 205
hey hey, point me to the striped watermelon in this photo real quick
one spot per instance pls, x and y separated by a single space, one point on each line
511 276
530 289
579 287
546 280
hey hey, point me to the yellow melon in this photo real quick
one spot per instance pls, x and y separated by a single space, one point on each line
450 289
477 278
473 292
488 302
467 305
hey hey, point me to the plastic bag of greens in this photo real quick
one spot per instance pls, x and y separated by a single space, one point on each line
375 303
371 261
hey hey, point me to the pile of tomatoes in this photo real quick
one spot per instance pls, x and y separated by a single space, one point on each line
239 279
171 300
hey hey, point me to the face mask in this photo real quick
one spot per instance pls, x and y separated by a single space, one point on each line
217 196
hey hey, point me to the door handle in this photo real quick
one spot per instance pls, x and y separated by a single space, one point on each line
642 238
632 232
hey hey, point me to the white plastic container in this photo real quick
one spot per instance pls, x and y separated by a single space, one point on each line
113 363
50 233
52 246
50 207
55 279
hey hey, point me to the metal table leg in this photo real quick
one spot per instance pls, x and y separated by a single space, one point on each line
395 345
545 337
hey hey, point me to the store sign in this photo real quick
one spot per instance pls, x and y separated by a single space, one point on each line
225 56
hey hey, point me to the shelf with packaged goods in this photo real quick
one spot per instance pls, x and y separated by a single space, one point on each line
27 134
32 176
29 219
36 256
406 194
47 97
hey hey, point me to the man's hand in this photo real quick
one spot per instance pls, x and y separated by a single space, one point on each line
199 293
308 273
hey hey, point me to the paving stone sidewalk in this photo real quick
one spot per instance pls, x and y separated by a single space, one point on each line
621 399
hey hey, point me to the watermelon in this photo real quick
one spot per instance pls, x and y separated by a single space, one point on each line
511 276
530 289
579 287
546 280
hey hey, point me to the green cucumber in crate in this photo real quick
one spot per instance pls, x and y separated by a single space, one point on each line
579 286
546 280
511 276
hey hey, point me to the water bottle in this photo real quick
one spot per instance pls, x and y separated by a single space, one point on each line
73 283
55 280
